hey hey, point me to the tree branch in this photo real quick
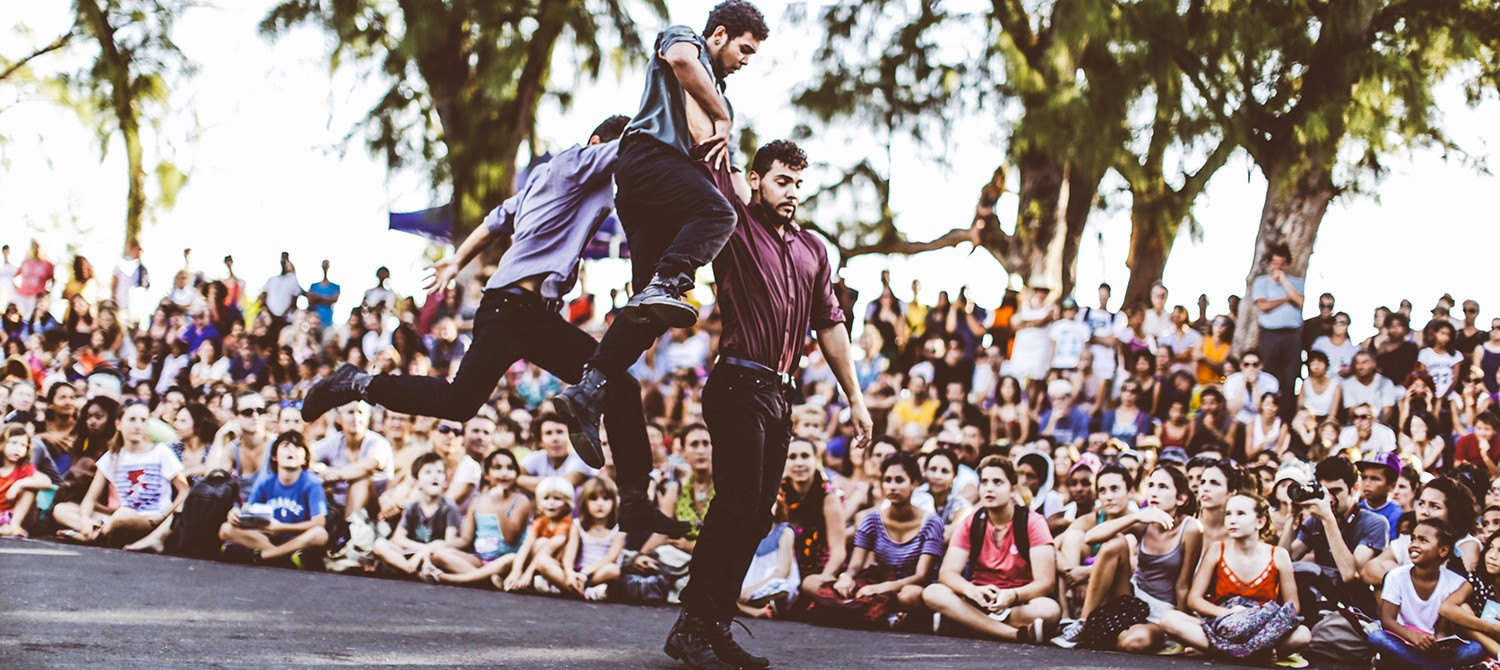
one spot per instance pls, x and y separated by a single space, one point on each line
60 42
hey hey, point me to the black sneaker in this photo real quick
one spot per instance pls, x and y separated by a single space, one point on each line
689 643
579 407
347 384
661 301
731 652
638 514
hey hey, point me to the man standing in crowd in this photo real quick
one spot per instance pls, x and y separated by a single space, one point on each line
773 282
1278 304
36 276
279 296
549 222
321 298
1320 325
380 299
675 221
129 276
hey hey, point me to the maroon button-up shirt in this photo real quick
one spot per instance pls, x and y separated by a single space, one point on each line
772 286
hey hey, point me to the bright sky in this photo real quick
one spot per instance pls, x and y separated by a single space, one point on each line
266 176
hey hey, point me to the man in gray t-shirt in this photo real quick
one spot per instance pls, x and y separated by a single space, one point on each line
675 220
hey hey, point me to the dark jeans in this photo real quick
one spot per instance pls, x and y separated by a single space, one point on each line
505 332
1281 352
675 222
1396 653
749 420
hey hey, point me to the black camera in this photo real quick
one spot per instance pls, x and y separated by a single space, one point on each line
1299 493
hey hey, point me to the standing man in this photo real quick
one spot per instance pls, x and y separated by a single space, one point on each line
1278 303
321 298
549 222
774 282
675 221
279 295
129 276
35 279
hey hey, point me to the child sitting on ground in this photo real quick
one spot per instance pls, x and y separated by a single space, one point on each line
430 523
547 537
298 506
1240 573
1410 621
19 479
591 559
989 582
494 527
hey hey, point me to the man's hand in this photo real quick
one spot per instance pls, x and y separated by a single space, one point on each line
1421 641
234 517
864 427
718 144
441 274
1320 509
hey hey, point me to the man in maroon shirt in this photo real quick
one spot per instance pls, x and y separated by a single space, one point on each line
774 282
1481 447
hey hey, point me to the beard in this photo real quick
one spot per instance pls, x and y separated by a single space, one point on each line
771 214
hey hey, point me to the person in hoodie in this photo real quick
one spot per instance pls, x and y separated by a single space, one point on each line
1038 478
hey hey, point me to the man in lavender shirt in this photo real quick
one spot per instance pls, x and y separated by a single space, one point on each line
774 287
549 223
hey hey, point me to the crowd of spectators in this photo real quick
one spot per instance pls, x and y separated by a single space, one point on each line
1047 472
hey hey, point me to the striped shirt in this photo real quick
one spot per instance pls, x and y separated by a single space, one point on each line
899 557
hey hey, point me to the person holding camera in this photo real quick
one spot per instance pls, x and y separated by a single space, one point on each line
1339 533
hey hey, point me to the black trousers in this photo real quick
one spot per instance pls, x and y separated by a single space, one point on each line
749 421
508 328
675 221
1281 352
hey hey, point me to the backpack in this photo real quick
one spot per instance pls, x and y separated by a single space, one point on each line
195 530
979 534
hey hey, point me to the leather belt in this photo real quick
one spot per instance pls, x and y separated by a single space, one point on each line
782 378
524 299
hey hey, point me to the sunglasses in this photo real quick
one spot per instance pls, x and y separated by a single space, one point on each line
450 430
1363 417
293 404
251 412
1250 364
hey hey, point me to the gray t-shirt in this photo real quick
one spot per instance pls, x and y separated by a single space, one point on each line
423 528
663 115
1368 529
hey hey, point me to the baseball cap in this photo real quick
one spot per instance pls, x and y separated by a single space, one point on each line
1174 455
1387 460
1295 471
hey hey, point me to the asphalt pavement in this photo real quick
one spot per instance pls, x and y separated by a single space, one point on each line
64 606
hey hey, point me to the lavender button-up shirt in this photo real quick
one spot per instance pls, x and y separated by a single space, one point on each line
554 216
772 286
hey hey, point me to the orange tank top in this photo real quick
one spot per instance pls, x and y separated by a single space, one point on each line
1264 588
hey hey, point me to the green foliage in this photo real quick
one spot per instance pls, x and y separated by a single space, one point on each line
127 88
463 78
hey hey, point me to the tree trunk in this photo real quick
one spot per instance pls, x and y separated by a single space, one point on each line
118 67
1036 253
1297 196
1153 230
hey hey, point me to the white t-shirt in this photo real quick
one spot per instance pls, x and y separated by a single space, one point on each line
380 296
1157 323
143 481
1103 323
8 283
537 464
1416 612
1379 393
1441 367
330 451
1237 390
1340 357
1382 439
1068 339
127 275
281 293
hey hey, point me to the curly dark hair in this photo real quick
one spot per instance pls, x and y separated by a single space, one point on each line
784 151
611 128
738 17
